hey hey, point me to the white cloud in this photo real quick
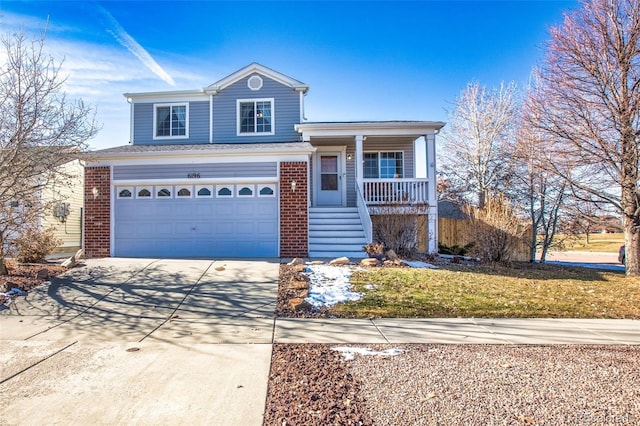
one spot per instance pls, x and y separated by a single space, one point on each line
135 48
99 71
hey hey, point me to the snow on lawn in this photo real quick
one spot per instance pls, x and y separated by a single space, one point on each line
329 285
350 353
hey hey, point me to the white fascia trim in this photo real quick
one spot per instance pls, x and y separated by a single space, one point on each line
255 68
249 158
182 95
416 128
201 181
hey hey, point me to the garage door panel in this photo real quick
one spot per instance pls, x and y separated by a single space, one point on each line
196 227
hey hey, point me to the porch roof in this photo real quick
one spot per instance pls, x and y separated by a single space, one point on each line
369 128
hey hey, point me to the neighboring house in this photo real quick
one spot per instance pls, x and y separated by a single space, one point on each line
65 216
234 170
59 206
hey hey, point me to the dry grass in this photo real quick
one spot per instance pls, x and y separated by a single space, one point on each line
606 243
521 291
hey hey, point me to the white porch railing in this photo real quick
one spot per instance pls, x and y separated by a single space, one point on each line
365 218
401 191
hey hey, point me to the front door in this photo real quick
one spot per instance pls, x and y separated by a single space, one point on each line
329 177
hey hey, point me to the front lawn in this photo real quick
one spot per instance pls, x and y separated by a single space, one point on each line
521 291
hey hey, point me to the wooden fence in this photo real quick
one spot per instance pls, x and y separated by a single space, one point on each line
455 232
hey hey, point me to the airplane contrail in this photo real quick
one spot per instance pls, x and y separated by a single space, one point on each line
135 48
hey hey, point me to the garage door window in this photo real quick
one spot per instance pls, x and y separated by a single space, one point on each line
164 193
224 191
183 193
203 192
266 191
143 193
245 191
125 193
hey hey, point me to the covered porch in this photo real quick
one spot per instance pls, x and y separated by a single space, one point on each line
374 167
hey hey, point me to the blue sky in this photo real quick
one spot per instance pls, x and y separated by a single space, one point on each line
362 60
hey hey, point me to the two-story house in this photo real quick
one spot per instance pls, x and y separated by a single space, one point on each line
234 170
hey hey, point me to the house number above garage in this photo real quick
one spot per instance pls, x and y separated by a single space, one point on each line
193 175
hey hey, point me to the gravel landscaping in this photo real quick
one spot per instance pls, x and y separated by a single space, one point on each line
312 384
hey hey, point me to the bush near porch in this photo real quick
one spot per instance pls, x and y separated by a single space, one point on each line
522 290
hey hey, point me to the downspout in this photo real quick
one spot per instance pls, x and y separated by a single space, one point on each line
130 120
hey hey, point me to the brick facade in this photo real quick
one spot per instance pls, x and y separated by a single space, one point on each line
97 212
294 212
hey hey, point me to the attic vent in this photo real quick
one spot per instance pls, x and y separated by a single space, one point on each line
254 82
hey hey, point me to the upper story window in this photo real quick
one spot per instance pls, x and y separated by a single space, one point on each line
171 121
255 117
383 165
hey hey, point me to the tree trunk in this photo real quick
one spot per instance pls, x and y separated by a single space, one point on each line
3 268
534 244
631 247
587 236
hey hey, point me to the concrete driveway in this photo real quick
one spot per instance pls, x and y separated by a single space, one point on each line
144 341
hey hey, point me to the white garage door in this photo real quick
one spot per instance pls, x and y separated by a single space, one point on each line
239 220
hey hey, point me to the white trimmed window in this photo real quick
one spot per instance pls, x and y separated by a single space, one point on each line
171 121
255 117
383 165
266 190
125 192
224 191
245 190
203 191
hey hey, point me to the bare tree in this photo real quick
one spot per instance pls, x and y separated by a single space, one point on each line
538 191
589 103
40 129
474 149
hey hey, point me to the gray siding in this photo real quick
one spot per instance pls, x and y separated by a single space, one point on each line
369 145
210 170
387 145
286 114
198 125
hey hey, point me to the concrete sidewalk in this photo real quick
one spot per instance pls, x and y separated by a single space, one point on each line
535 331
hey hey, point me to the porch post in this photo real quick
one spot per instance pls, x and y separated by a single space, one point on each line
359 159
432 196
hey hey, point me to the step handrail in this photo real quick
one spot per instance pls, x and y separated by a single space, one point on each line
365 218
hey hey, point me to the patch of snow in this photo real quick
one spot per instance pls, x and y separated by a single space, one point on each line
349 353
329 285
418 264
370 286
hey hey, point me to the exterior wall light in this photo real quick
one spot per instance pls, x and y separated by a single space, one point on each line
293 186
95 191
349 157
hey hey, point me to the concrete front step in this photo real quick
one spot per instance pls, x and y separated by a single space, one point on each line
335 227
336 232
343 233
335 221
334 254
338 241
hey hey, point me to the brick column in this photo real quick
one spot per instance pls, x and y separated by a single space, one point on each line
294 213
97 212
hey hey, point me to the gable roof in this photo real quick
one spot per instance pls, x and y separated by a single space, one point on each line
219 85
260 69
